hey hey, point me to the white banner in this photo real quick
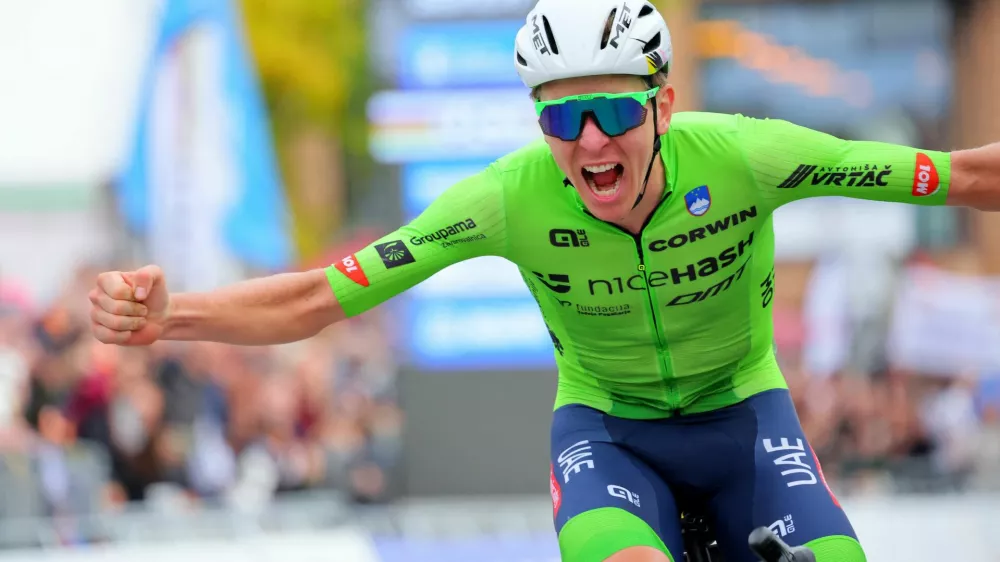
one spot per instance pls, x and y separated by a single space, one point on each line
814 227
945 323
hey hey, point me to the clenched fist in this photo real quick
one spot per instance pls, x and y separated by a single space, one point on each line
129 307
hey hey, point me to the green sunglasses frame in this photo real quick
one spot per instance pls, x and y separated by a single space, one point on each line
641 97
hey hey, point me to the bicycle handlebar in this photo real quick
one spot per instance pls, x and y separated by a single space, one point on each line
769 548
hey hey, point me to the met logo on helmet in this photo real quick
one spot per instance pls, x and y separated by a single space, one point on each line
536 36
925 177
624 22
350 267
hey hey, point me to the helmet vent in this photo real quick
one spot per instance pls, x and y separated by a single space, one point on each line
645 11
550 36
652 44
608 26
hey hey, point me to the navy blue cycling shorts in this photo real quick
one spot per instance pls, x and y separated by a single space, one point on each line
744 466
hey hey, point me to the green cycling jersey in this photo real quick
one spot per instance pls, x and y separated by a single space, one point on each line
675 319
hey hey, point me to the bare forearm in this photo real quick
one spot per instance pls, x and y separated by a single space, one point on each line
975 178
265 311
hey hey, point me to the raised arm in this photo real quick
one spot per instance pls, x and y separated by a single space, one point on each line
790 162
468 220
975 178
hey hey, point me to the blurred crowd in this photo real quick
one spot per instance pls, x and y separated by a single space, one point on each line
895 431
885 420
87 427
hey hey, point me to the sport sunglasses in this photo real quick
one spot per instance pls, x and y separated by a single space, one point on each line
615 114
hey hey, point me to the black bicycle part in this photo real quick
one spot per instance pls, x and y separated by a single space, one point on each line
699 538
770 548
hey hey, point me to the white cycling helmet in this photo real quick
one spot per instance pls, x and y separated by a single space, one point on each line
569 39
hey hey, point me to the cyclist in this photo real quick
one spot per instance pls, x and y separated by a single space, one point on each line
646 238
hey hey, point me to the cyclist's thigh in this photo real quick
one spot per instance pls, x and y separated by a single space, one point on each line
604 498
780 486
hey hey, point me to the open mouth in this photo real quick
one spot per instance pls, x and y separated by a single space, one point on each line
604 179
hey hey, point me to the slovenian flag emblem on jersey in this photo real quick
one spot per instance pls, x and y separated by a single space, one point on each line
698 200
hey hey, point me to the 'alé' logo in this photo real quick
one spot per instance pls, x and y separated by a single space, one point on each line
565 238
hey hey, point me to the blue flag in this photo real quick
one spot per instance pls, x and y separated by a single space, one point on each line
202 171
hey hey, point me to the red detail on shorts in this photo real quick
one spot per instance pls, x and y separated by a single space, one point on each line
555 490
925 177
823 478
350 267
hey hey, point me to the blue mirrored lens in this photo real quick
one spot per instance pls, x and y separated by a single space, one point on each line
614 116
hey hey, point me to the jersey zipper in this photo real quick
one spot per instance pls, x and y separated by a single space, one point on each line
661 345
672 397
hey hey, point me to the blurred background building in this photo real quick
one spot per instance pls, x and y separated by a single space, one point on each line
225 138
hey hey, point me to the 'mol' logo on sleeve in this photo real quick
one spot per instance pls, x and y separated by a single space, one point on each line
925 177
350 267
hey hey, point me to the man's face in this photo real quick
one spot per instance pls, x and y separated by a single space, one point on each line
608 172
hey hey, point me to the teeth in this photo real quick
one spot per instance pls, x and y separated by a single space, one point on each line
605 191
599 169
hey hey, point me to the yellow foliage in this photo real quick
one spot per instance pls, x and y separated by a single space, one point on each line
311 59
306 52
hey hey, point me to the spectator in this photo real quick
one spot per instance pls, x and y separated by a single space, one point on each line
950 417
86 426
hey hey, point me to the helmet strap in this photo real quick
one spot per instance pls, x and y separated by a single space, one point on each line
656 152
